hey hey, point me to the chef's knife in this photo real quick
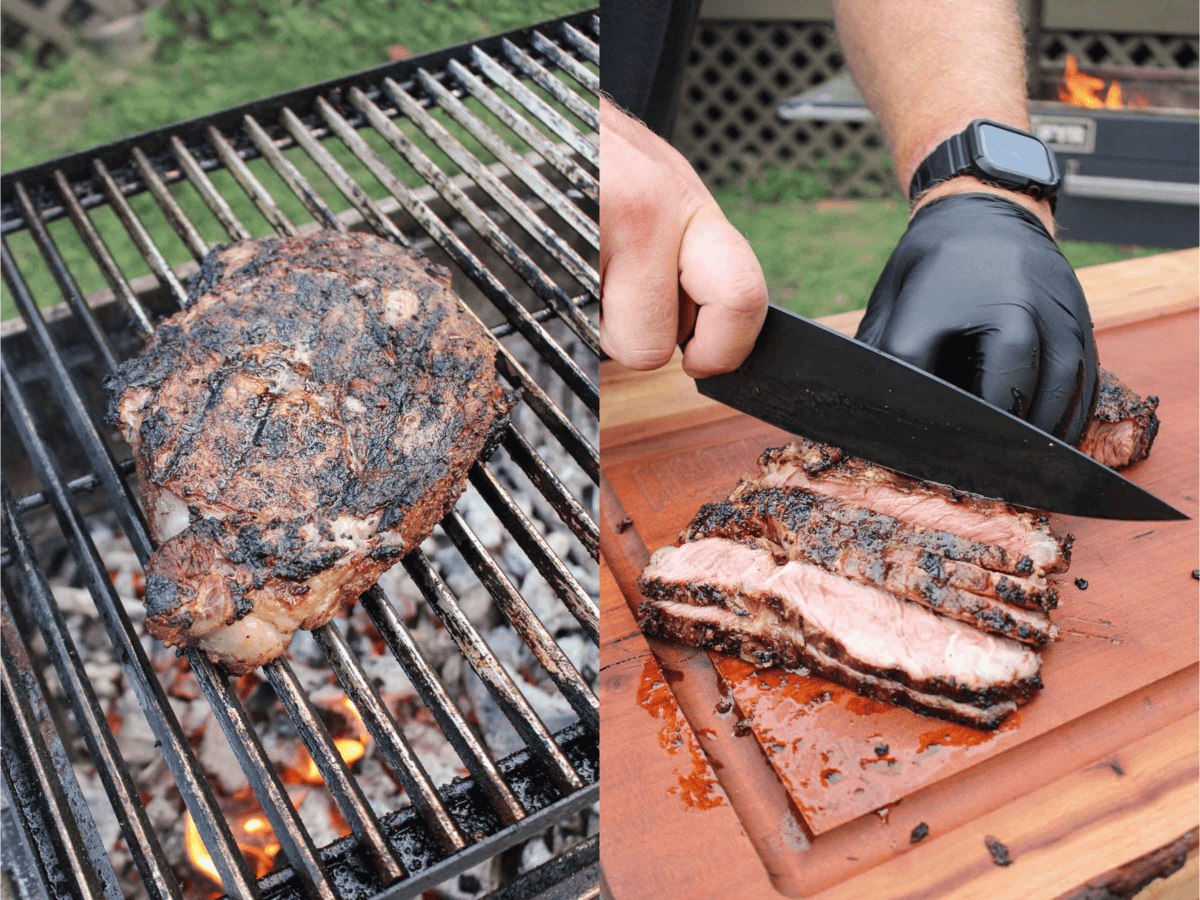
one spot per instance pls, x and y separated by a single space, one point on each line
815 382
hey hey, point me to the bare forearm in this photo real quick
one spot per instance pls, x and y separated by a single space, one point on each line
927 68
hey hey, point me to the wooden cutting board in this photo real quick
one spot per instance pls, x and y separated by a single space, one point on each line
845 762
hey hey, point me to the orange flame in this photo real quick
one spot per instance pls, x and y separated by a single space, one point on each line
253 836
1080 89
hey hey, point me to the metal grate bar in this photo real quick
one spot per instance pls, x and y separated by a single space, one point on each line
389 738
505 198
294 839
252 186
81 485
560 426
582 42
140 838
551 152
171 209
540 108
557 89
351 801
340 177
96 246
514 161
177 753
449 719
80 419
212 198
553 569
58 267
292 177
524 622
520 212
43 784
450 242
552 488
584 76
137 231
476 651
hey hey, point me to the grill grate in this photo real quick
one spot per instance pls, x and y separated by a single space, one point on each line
447 828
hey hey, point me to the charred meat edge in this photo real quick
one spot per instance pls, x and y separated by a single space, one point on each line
793 633
794 528
1029 547
725 632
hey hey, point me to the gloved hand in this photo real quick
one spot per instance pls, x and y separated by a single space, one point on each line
978 293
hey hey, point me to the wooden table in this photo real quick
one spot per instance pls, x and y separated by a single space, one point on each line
1098 773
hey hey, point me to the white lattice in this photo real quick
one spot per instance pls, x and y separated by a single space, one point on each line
738 72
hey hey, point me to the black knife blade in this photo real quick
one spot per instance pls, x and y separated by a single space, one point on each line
815 382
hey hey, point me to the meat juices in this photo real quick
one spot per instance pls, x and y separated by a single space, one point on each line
298 428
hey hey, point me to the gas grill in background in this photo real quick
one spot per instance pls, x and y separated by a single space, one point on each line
520 234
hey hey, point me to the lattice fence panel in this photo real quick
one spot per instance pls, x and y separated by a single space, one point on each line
51 28
738 71
727 125
1152 51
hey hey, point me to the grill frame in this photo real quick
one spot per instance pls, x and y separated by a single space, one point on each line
505 801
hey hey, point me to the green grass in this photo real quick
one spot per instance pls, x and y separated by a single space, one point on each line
206 55
822 257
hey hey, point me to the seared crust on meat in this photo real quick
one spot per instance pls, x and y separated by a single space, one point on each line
1123 426
298 428
712 630
882 552
1023 535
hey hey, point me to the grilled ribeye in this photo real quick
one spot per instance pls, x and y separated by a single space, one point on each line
299 427
1123 426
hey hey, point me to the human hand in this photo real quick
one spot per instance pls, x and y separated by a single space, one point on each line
671 265
978 293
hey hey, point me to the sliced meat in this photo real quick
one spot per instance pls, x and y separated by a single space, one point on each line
1123 426
298 428
875 550
725 632
1023 534
794 610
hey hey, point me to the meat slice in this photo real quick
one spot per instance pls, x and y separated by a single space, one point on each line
725 632
1123 426
1023 534
800 615
882 552
298 428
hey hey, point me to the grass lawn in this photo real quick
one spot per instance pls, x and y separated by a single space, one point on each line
824 256
200 56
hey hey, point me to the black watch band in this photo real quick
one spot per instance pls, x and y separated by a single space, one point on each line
996 154
948 159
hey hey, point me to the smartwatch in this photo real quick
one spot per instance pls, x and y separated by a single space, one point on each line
994 153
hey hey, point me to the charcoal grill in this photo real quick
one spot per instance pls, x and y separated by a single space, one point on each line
1130 175
522 233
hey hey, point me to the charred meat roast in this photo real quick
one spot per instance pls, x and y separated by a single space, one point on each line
298 428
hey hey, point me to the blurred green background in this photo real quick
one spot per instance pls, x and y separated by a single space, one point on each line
187 58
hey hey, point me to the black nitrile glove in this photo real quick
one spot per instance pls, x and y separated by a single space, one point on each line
978 293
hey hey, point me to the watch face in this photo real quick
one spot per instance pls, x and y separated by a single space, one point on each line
1017 153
